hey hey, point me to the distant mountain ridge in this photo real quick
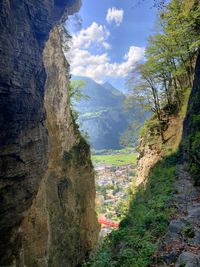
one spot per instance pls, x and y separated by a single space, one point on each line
100 95
102 116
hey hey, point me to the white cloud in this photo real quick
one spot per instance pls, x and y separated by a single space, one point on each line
99 67
115 15
106 45
94 35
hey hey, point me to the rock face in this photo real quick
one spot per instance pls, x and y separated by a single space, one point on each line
191 133
151 149
46 178
63 211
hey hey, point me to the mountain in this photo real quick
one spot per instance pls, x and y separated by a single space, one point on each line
112 89
102 116
100 96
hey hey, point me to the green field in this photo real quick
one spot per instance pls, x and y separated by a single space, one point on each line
117 159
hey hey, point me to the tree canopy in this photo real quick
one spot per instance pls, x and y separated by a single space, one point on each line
160 82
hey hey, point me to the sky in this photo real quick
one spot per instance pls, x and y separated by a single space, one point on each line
109 38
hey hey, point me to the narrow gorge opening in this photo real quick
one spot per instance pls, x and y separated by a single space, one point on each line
99 133
130 99
101 98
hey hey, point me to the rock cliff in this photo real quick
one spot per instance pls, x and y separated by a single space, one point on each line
47 188
151 149
191 133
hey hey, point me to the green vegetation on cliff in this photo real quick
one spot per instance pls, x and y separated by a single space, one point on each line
191 136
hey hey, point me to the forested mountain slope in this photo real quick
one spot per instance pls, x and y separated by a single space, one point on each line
102 114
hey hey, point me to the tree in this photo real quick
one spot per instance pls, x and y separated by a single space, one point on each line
75 90
180 17
75 94
160 82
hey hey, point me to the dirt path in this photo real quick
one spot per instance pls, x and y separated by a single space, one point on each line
180 246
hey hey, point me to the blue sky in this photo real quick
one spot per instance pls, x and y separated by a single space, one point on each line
110 38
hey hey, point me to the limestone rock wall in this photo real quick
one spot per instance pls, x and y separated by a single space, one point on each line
63 211
42 205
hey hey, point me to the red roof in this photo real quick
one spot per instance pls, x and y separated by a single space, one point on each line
108 223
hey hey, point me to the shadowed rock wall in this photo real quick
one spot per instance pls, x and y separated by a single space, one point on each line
191 132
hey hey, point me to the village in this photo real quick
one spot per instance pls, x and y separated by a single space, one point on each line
112 190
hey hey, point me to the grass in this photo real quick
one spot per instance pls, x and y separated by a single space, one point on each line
116 159
135 242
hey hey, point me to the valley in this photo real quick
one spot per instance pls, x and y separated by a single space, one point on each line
102 115
114 174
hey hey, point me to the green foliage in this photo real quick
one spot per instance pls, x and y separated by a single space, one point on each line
75 89
76 95
191 140
162 80
135 242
